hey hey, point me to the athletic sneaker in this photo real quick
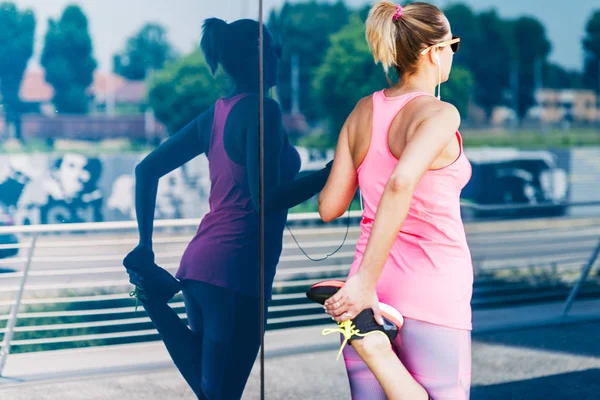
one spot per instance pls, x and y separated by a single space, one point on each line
364 323
152 283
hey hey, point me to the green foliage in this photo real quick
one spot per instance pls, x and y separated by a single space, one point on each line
318 139
304 30
347 74
591 46
531 139
466 24
458 89
147 50
16 48
487 53
184 89
67 58
52 321
493 48
557 77
532 46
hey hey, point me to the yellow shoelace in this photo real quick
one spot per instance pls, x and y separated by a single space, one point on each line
138 293
347 329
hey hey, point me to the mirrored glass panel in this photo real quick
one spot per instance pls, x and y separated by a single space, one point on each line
129 198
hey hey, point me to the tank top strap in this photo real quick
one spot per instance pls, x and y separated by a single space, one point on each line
223 107
385 110
460 141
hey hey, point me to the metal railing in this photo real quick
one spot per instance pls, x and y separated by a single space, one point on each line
73 289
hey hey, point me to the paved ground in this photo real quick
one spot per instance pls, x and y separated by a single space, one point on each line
549 363
558 361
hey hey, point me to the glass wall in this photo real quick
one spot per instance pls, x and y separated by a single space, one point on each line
130 138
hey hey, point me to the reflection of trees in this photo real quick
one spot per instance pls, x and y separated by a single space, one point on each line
147 50
68 61
16 48
183 90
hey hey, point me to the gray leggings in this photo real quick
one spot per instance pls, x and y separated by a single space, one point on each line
439 358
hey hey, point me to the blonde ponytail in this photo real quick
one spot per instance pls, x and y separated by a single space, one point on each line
381 31
396 42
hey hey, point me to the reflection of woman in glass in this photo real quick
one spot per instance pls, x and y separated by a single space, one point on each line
402 147
219 271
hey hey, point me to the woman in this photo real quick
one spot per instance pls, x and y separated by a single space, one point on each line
219 271
402 147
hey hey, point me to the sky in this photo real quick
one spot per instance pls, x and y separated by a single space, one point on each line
113 21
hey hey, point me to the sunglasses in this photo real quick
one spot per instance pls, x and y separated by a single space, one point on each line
453 43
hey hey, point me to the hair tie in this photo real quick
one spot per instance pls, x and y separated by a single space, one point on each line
398 13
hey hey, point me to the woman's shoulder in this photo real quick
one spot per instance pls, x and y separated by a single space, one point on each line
441 109
426 107
363 106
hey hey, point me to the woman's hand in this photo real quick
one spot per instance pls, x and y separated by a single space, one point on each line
156 283
139 258
357 294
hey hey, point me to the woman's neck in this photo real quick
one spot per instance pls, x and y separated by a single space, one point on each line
414 83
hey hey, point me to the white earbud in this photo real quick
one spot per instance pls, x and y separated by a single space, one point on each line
439 64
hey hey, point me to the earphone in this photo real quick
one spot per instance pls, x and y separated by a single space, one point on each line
439 64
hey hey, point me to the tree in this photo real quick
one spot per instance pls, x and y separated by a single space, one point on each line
465 23
459 88
184 89
591 46
67 58
16 48
532 47
557 77
148 49
304 30
500 53
486 52
348 64
490 62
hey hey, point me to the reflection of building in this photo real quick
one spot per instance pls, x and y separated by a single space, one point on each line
566 105
114 94
117 109
502 115
107 92
36 93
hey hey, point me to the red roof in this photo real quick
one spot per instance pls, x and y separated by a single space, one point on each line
131 92
104 83
34 88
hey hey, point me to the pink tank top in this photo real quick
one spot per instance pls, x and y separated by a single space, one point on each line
428 275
